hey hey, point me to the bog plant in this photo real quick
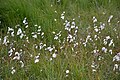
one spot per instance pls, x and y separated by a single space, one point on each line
78 48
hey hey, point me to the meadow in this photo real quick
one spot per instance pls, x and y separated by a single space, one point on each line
59 40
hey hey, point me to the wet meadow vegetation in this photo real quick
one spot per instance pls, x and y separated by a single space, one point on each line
59 40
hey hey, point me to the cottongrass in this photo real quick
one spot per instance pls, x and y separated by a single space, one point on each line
97 45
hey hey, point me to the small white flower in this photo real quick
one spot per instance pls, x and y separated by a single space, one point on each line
17 56
116 66
53 32
22 64
76 44
94 70
12 34
95 51
55 11
50 59
95 36
111 42
67 71
42 33
19 31
110 51
88 37
62 17
34 36
13 70
31 55
67 24
14 49
116 57
102 26
54 55
10 29
38 33
16 53
25 20
21 36
104 49
93 65
51 5
55 19
56 37
72 26
96 30
26 26
105 42
100 58
5 40
37 57
36 60
110 18
10 52
66 75
94 19
36 46
49 48
84 44
39 30
35 25
44 45
107 37
69 36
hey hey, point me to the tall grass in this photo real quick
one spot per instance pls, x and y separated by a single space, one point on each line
39 12
77 40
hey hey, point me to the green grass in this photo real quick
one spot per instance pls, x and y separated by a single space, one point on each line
77 60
